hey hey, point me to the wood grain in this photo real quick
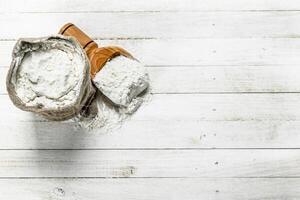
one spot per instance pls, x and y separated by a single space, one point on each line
200 52
140 6
153 134
170 121
201 107
223 122
150 163
148 189
156 24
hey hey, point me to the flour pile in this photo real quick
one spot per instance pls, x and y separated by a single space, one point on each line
122 85
49 78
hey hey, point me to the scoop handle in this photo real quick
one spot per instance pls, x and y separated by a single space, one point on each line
84 40
97 56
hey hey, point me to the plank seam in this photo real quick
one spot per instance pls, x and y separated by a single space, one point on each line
157 149
151 11
158 177
179 38
211 93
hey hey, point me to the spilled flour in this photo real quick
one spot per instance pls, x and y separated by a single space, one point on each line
122 85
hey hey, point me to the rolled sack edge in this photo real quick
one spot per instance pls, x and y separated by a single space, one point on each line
87 90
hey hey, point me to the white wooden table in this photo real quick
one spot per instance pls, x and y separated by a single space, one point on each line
223 122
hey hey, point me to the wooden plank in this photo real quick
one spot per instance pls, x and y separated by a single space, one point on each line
215 79
156 24
150 163
152 134
200 52
154 5
6 48
201 107
146 189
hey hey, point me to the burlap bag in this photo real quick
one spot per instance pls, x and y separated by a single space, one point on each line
87 91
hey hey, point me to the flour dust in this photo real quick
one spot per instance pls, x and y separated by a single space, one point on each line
123 86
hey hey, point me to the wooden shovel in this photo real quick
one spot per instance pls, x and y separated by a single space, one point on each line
98 56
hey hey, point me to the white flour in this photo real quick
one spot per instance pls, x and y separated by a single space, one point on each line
110 116
121 83
121 80
49 78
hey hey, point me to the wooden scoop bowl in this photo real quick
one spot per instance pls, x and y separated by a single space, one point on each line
98 56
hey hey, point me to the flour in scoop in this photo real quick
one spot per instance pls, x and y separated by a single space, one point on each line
122 88
121 80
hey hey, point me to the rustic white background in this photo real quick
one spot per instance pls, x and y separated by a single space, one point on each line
224 122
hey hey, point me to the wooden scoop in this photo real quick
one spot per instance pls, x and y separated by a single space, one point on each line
97 56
